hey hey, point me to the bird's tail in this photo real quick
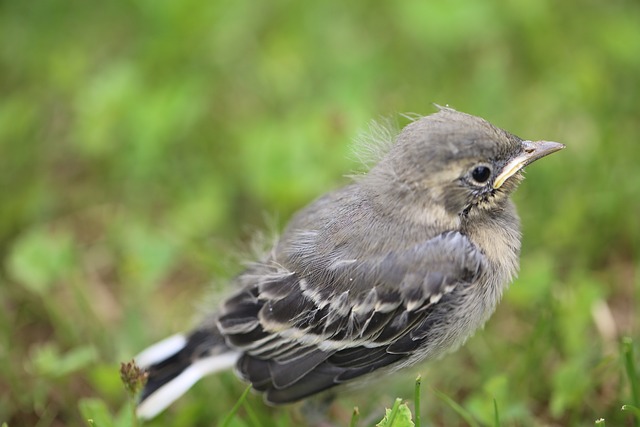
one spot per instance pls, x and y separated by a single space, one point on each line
176 363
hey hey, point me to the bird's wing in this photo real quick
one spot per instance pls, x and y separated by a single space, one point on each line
299 338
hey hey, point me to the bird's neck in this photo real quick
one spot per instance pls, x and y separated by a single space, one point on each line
497 232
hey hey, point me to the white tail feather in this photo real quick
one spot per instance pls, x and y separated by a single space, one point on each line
169 392
161 350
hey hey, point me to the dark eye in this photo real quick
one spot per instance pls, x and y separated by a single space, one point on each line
481 174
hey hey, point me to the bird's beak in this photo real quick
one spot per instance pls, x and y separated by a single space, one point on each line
531 151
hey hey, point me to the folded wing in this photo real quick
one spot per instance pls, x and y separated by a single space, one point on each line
300 336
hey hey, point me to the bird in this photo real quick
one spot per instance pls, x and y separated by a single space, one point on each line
399 266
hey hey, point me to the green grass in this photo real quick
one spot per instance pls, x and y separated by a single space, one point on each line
144 143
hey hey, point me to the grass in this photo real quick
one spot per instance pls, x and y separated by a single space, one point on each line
144 143
227 420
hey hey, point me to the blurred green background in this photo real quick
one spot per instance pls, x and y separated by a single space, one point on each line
144 142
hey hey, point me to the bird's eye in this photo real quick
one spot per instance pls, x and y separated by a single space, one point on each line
481 174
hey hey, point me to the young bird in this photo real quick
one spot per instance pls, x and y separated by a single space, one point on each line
399 266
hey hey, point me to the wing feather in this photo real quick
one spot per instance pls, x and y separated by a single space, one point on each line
299 338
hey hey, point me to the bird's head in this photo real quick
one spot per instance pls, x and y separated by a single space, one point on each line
455 165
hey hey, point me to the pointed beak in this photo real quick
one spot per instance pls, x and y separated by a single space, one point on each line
531 151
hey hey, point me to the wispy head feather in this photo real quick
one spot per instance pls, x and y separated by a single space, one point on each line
372 144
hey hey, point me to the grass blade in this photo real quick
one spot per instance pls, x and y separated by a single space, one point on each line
416 400
629 363
354 417
459 409
235 408
255 420
633 409
394 411
496 414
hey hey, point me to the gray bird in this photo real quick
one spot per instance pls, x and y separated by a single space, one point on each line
400 266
